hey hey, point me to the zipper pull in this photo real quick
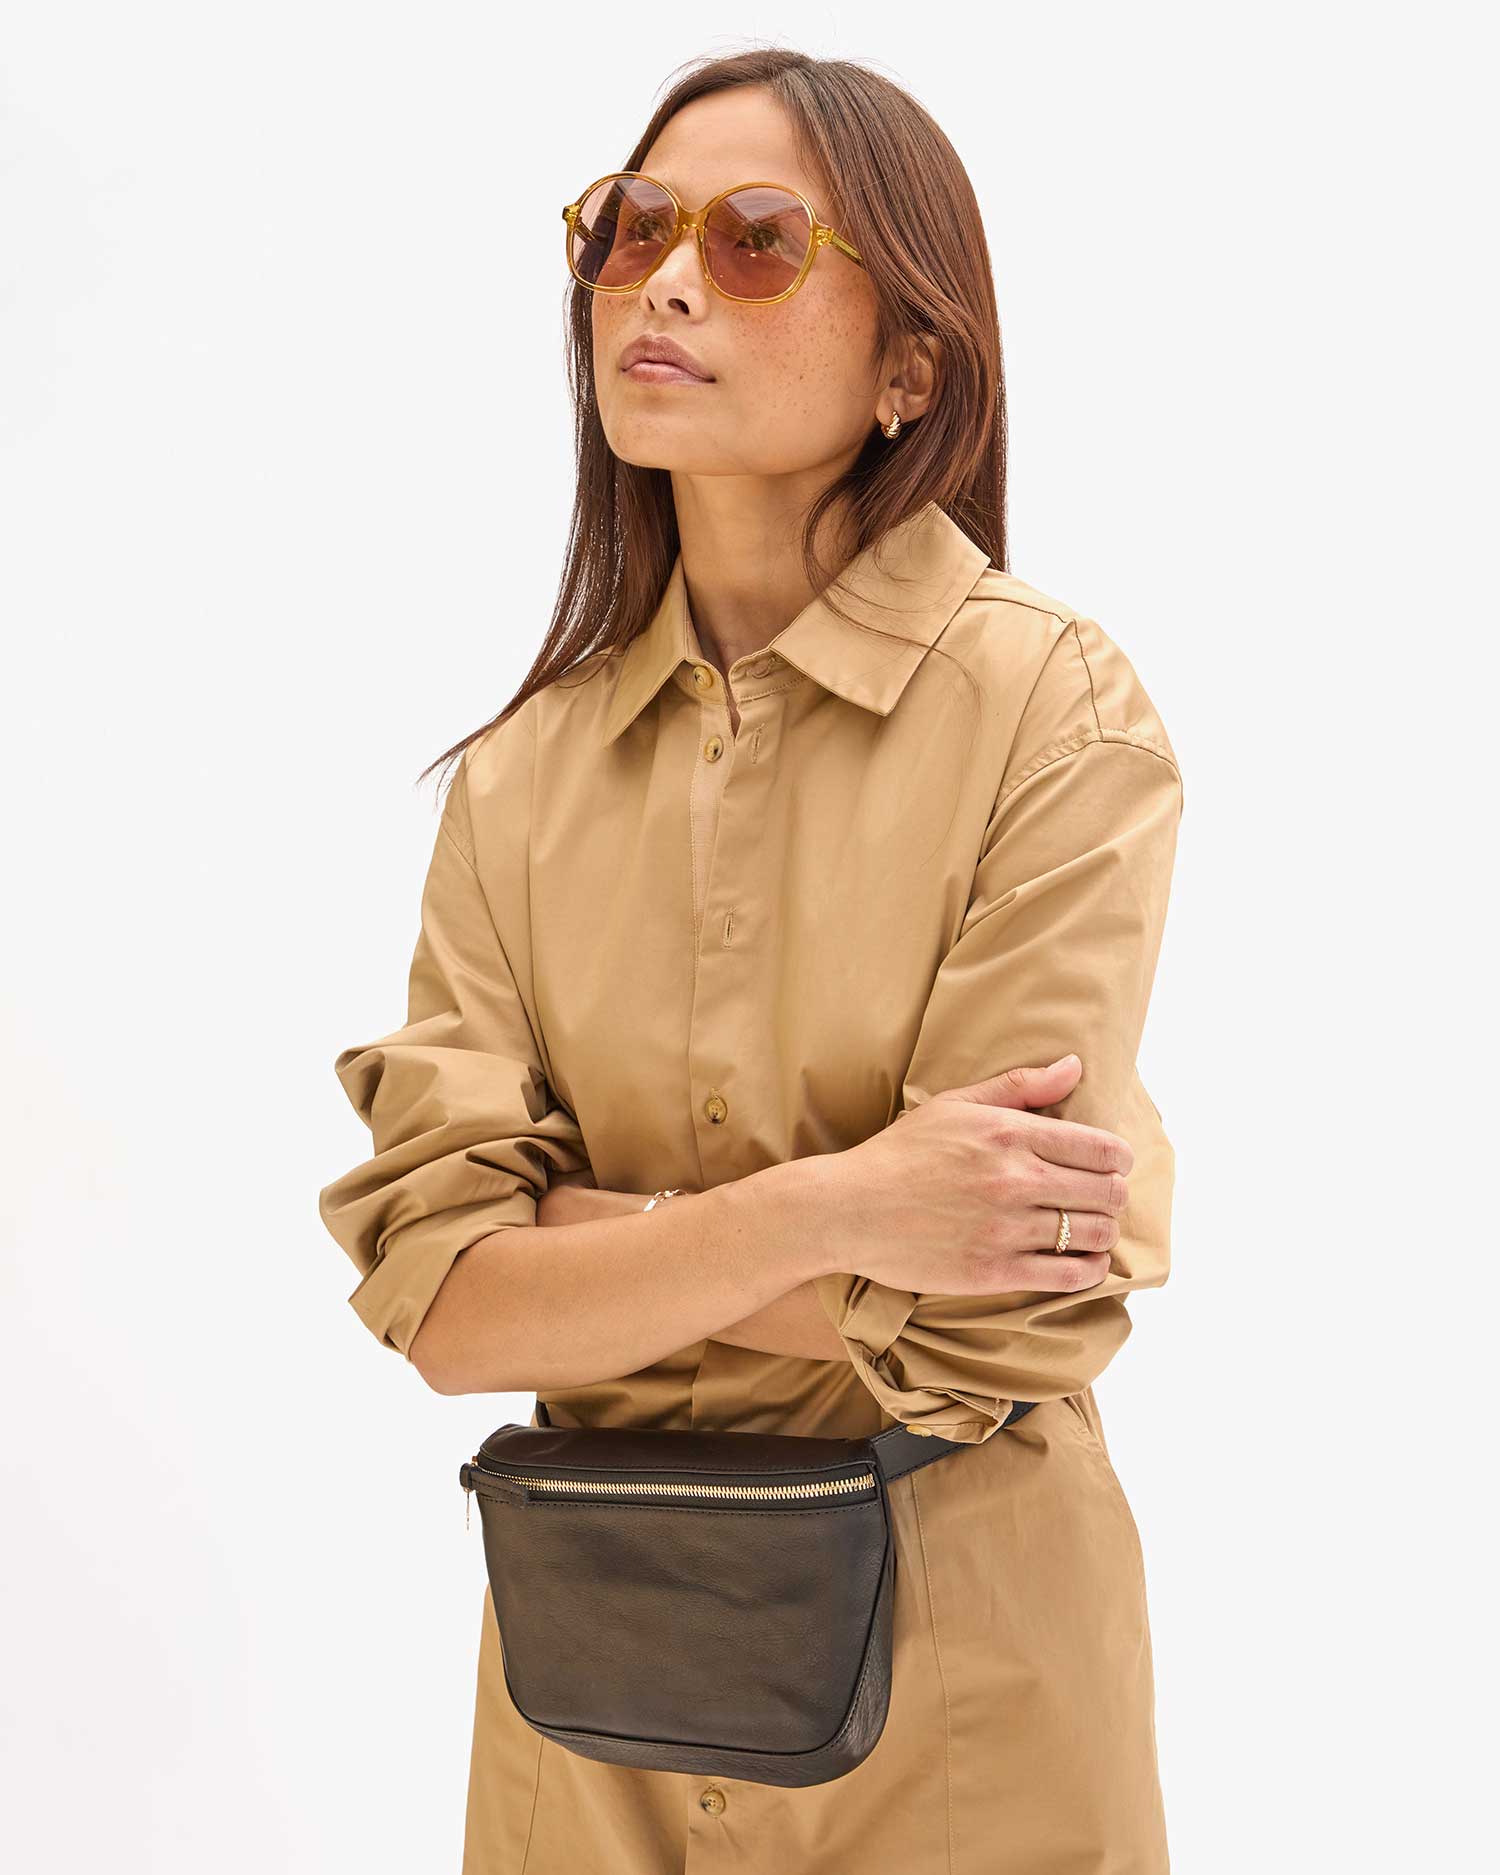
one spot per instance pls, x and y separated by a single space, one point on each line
505 1489
463 1478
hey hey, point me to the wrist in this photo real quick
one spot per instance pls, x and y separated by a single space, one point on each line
792 1210
582 1204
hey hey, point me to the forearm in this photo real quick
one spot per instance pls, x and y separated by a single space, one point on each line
796 1324
559 1305
793 1324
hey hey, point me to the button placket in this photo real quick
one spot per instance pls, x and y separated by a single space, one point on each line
709 780
728 932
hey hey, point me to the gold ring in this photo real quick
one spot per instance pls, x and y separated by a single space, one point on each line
1064 1233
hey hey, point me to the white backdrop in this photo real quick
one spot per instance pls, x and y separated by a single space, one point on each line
284 477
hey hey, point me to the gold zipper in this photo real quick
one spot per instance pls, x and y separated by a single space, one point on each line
824 1487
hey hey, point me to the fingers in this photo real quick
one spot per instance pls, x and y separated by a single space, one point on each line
1073 1190
1087 1230
1027 1087
1071 1143
1046 1270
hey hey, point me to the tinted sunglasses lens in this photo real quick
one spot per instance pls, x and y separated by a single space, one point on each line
622 226
756 242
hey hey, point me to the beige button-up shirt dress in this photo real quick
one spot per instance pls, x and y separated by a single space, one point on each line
677 953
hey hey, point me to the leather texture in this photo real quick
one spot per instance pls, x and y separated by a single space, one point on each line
746 1638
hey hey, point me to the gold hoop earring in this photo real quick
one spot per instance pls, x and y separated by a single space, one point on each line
893 428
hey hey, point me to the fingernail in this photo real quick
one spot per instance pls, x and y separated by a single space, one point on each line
1062 1060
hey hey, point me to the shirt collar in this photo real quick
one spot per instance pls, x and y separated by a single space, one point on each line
911 580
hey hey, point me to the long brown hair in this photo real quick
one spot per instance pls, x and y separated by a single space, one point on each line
900 194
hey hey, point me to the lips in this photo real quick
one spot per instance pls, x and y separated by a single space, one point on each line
662 360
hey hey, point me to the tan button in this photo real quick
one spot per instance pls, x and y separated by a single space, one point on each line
922 1432
713 748
716 1108
714 1801
703 677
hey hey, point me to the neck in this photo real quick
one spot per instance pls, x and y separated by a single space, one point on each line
742 561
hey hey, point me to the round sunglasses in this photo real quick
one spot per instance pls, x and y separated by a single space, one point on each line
756 242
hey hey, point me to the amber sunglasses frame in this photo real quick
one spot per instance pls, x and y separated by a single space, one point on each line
822 236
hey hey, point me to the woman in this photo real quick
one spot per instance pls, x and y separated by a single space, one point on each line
751 869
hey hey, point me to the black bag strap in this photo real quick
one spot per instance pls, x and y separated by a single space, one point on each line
898 1449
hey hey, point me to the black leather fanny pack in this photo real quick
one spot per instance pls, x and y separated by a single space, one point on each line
711 1602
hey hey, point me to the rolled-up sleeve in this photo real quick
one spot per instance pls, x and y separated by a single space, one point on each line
464 1123
1056 954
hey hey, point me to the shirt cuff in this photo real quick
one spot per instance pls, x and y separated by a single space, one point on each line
870 1322
395 1296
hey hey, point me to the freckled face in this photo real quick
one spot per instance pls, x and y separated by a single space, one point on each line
794 384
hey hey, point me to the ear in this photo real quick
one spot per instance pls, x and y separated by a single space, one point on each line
917 359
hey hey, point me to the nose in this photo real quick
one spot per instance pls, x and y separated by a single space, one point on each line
679 274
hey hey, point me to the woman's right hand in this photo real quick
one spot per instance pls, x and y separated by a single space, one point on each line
960 1196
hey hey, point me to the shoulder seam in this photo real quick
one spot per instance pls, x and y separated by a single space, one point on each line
1063 614
453 840
1085 739
1093 694
449 815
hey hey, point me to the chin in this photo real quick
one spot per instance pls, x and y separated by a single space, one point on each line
679 448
